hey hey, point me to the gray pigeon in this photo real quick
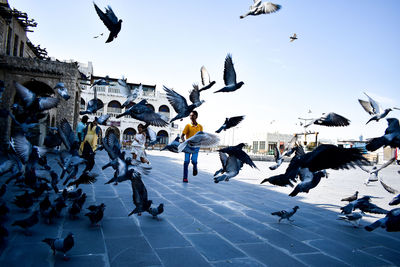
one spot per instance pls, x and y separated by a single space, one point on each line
278 159
110 21
141 112
60 244
351 198
331 120
130 95
373 108
391 222
294 37
260 7
390 138
156 211
230 167
286 214
374 172
180 105
230 77
102 120
200 139
395 200
205 79
364 205
309 180
93 106
353 218
62 91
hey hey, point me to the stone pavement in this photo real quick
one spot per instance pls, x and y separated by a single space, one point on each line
207 224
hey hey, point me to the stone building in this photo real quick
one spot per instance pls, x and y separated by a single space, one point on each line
29 65
264 143
125 127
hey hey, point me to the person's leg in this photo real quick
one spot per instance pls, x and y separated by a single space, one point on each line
185 167
194 161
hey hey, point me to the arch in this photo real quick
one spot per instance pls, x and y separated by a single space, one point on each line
163 137
163 108
150 106
39 88
128 134
114 107
115 130
83 104
100 111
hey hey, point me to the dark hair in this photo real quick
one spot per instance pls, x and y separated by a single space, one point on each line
195 113
140 125
85 119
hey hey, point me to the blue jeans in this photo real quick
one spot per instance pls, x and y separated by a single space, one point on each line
193 156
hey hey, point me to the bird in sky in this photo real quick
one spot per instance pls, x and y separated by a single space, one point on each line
260 7
141 112
331 120
373 108
230 77
111 21
294 37
130 95
229 123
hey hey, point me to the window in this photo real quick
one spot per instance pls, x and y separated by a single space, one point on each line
21 49
262 145
114 90
16 41
255 146
8 46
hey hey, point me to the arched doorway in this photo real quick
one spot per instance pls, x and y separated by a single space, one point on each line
127 137
36 134
162 136
164 110
115 130
114 108
83 104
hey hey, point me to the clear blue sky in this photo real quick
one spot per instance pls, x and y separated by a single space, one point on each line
344 48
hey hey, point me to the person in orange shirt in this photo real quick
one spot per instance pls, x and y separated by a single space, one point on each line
190 130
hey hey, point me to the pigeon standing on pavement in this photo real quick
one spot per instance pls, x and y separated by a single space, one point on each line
229 123
230 77
96 213
391 222
286 214
260 7
60 244
351 198
111 21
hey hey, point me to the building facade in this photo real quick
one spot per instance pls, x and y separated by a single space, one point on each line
264 143
125 127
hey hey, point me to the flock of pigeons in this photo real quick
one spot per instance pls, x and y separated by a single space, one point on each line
27 164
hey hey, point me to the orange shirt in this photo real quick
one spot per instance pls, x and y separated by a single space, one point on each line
191 130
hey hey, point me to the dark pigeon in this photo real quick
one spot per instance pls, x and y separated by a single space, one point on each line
391 222
230 77
286 214
111 21
229 123
60 244
390 138
96 214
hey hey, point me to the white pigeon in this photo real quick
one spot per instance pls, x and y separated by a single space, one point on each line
200 139
259 8
130 95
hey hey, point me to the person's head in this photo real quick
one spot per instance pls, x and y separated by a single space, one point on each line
193 116
140 128
85 119
95 121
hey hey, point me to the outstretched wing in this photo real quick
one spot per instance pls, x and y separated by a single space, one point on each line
366 106
205 77
27 95
194 95
375 105
108 18
229 71
332 119
177 101
233 121
66 133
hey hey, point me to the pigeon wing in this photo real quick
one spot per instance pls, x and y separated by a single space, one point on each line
366 106
22 147
177 101
205 77
229 71
194 95
152 118
375 105
233 121
224 158
332 119
105 17
27 95
46 103
391 190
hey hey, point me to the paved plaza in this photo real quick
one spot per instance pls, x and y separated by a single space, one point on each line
208 224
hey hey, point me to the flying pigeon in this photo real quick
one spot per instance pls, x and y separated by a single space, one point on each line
33 103
93 106
139 197
260 7
286 214
205 79
364 205
85 178
294 37
62 91
141 112
238 152
60 244
390 138
373 108
130 95
102 120
230 77
111 21
374 171
178 102
230 122
395 200
331 120
309 180
200 139
230 168
278 159
391 222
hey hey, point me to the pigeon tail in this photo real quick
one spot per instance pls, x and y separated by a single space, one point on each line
295 192
220 129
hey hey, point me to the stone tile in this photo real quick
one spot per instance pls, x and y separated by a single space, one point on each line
83 261
213 247
238 263
269 255
385 253
181 257
35 254
319 259
119 227
234 233
131 251
87 241
188 225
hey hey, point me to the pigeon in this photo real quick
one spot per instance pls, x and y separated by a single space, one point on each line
390 138
294 37
27 153
331 120
200 139
229 123
173 146
205 79
278 159
24 201
151 135
97 36
351 198
52 139
364 205
60 244
139 197
101 82
353 218
141 112
93 106
33 103
49 213
59 204
96 214
260 7
26 128
156 211
391 222
130 95
375 171
180 105
309 180
102 120
395 200
389 189
85 178
27 222
230 168
286 214
74 194
372 108
62 91
111 21
239 154
230 77
74 210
